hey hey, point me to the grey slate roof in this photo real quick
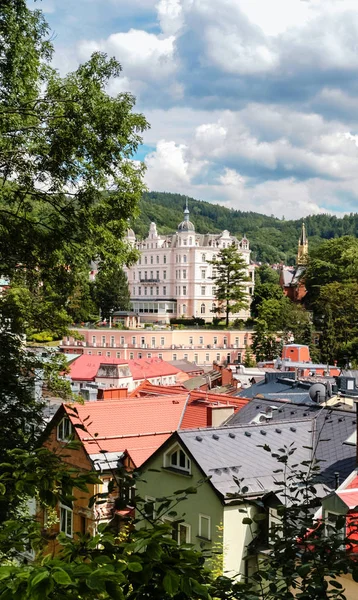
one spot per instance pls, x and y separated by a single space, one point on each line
333 427
227 452
281 386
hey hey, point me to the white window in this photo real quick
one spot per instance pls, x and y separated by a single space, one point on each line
66 520
145 260
164 290
89 352
184 290
185 242
151 275
157 290
201 340
174 357
225 341
149 355
202 309
139 355
157 274
184 309
153 342
207 357
203 290
184 258
184 273
162 341
151 259
203 258
108 354
164 259
93 339
203 273
151 291
160 355
218 357
145 274
157 260
134 340
164 274
204 527
103 340
64 430
215 340
191 341
112 341
196 358
131 355
185 357
176 458
99 353
184 533
118 354
139 291
236 341
122 339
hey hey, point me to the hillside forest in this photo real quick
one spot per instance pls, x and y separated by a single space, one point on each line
272 240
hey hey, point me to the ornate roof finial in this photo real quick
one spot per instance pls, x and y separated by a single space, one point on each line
186 210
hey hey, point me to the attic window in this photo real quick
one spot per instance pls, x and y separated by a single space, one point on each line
64 430
176 459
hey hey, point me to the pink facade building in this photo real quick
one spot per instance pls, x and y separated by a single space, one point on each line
197 345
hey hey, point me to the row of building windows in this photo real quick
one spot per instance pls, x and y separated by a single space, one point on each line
161 342
151 260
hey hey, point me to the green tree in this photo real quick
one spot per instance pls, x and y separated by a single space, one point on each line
110 290
68 187
249 360
264 342
262 292
266 274
230 275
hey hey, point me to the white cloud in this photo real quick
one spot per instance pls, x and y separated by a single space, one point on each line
170 15
144 55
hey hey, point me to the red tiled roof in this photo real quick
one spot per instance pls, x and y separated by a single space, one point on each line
196 415
146 388
352 484
85 367
139 426
146 368
349 498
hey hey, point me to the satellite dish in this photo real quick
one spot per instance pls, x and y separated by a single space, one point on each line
318 392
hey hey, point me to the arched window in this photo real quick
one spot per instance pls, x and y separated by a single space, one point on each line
202 309
184 309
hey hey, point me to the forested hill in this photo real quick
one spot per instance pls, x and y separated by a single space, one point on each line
272 240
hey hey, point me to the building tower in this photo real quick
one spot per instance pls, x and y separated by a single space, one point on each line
302 253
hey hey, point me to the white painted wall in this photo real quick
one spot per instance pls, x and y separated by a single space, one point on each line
236 538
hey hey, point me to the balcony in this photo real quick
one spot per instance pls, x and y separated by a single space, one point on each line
154 280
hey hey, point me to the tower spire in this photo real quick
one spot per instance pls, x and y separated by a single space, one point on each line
302 246
186 210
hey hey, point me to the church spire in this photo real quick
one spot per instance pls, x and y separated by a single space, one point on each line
186 210
302 247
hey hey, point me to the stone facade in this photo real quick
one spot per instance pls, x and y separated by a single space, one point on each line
173 279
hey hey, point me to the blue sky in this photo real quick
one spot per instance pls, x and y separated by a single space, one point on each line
252 103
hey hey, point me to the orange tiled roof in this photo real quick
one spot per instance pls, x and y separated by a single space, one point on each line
146 368
139 426
85 367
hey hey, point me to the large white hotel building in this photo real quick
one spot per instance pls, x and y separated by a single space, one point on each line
172 277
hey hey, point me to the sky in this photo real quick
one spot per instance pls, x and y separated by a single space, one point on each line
253 104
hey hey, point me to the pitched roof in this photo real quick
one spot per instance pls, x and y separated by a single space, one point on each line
139 426
146 388
225 453
279 385
333 426
186 366
197 382
146 368
85 367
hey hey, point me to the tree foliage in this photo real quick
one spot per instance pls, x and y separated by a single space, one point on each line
229 279
110 290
